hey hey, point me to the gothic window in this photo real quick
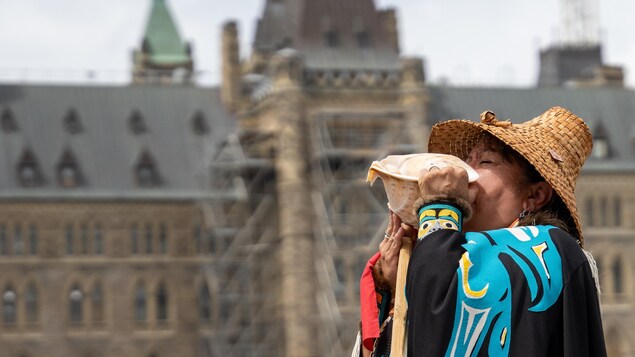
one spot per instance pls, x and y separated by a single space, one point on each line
331 39
162 302
18 240
363 39
198 239
31 303
99 240
618 287
68 171
146 172
204 299
199 123
136 123
84 239
97 303
33 239
148 238
72 122
8 122
28 170
163 239
134 239
4 248
603 211
617 211
9 311
76 304
70 246
140 303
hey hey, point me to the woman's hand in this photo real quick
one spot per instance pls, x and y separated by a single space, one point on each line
447 184
389 247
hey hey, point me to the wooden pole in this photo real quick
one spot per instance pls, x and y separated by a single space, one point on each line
401 306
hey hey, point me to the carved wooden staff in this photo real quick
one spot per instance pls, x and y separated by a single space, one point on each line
401 306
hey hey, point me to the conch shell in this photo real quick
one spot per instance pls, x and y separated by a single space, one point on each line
400 176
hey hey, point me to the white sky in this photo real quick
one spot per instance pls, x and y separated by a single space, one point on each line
485 42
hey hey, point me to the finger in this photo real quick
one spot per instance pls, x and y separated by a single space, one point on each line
393 225
397 240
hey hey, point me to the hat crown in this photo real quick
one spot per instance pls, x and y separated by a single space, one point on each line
556 144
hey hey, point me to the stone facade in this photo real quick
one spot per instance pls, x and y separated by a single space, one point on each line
101 279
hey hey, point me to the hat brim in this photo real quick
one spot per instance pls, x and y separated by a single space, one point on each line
458 137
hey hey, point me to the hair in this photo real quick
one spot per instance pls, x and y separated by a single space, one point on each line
554 212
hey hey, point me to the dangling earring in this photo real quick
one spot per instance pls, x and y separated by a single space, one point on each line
522 214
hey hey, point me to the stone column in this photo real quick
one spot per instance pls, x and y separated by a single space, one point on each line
298 303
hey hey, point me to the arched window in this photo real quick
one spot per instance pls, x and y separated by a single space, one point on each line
31 303
146 171
72 122
84 239
28 171
137 123
8 123
9 311
204 308
140 303
33 239
70 247
99 240
199 123
76 304
617 211
68 171
618 279
4 248
148 238
134 239
163 239
18 240
97 303
162 302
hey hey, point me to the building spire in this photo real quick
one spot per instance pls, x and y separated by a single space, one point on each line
164 57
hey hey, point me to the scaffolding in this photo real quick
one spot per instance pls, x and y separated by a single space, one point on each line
349 219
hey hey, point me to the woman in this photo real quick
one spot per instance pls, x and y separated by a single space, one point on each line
512 280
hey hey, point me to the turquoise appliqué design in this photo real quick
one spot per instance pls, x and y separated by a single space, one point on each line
484 296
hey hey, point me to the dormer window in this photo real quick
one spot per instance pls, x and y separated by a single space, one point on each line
199 123
7 121
72 122
68 171
601 147
331 39
137 123
146 172
28 170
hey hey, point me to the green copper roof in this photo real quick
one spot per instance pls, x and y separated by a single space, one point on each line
166 46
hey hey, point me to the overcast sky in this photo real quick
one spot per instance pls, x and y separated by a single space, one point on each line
466 42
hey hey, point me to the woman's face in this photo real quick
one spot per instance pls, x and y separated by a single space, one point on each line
499 193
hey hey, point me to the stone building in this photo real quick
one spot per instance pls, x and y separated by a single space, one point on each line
165 219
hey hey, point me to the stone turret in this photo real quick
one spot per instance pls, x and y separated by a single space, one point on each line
231 86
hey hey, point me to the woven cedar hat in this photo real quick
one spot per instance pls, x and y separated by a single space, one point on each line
556 143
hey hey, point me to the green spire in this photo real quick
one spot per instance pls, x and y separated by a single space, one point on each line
164 43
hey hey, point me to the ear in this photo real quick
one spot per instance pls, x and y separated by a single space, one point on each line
539 195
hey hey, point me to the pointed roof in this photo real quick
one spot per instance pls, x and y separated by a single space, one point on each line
162 39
